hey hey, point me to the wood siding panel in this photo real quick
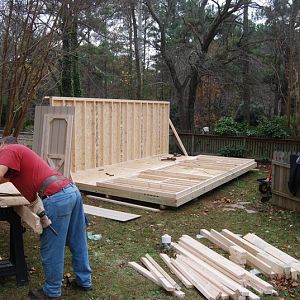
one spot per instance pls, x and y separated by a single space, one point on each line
112 131
52 136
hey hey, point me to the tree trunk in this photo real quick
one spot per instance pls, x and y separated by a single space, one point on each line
193 85
75 60
130 60
246 67
186 98
137 53
66 65
298 115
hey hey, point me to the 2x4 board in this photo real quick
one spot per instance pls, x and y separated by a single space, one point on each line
117 148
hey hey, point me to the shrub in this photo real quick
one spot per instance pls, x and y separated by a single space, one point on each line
226 126
233 151
276 127
28 126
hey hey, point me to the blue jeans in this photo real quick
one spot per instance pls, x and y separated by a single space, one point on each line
65 210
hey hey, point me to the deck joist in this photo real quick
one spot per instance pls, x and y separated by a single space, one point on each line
168 183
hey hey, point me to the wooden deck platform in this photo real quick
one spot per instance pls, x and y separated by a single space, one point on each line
169 183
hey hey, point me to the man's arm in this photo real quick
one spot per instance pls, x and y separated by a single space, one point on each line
3 170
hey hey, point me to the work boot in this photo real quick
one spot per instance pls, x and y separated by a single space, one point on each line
74 285
39 294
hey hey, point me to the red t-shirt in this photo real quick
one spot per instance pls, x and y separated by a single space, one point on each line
27 171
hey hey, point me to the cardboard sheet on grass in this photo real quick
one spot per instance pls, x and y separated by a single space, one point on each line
117 148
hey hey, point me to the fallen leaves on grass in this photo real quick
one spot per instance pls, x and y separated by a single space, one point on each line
285 284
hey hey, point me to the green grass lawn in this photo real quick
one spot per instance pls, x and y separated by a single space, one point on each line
124 242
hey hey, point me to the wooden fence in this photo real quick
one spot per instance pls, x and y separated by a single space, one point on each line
258 148
281 195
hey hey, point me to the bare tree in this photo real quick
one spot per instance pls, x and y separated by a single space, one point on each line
29 36
189 61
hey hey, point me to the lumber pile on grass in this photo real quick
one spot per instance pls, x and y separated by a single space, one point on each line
215 276
255 252
158 275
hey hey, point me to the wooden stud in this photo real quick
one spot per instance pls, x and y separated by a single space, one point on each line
162 279
143 271
208 276
280 255
179 275
218 274
109 213
178 138
29 218
123 203
241 242
202 285
7 201
215 257
163 272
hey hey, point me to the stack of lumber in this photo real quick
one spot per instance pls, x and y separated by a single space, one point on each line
255 252
158 275
213 275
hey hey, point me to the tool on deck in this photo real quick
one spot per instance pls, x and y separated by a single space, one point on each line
168 158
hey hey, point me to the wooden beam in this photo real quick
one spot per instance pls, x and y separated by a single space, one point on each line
241 242
214 240
163 272
280 268
176 272
7 201
219 275
252 260
201 284
109 213
216 258
160 277
284 257
259 284
178 138
224 264
208 276
143 271
123 203
29 218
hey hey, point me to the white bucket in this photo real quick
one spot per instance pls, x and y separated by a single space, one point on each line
166 239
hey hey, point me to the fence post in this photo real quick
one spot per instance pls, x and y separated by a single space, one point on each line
193 144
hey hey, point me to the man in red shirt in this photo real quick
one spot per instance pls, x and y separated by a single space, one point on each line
63 205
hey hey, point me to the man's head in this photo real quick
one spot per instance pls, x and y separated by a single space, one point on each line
8 140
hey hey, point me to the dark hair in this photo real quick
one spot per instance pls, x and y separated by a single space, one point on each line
9 140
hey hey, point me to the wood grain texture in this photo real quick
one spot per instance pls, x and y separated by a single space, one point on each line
52 136
109 213
109 131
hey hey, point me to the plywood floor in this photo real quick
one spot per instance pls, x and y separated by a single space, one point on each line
169 183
